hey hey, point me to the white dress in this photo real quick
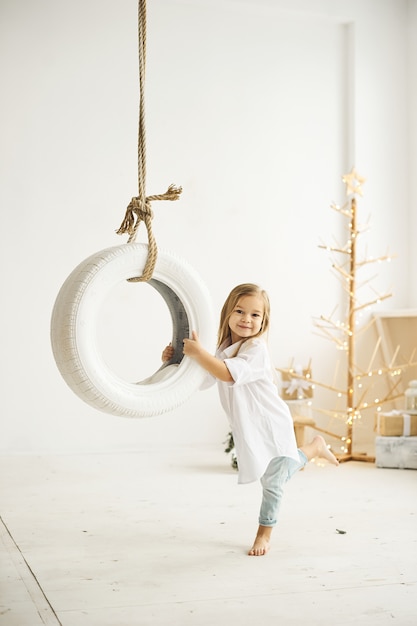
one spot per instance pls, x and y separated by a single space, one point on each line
260 420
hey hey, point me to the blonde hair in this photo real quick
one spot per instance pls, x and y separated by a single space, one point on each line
246 289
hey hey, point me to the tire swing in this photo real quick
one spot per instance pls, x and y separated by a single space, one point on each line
75 312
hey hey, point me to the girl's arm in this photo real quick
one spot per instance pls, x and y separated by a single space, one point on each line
216 367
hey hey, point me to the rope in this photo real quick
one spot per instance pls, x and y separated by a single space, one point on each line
139 208
142 72
142 211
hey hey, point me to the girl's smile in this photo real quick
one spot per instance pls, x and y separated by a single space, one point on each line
246 318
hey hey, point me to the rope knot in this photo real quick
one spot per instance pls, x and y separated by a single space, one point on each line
142 211
139 210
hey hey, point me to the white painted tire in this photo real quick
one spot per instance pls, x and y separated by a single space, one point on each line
74 341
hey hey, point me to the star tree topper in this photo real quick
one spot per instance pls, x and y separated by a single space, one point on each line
353 182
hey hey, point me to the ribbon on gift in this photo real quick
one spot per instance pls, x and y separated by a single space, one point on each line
296 385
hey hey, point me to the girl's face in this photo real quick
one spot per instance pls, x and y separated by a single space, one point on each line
246 318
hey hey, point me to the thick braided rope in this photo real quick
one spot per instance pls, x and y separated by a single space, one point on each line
139 208
142 73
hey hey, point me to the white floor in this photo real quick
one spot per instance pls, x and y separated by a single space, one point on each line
159 537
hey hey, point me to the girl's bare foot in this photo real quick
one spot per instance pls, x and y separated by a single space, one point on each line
262 541
318 448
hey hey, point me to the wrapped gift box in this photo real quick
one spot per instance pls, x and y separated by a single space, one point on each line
396 452
296 383
395 424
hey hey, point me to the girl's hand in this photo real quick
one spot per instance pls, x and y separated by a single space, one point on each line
192 347
167 353
213 365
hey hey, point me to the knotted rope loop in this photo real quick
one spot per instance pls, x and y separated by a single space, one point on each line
141 211
136 212
139 208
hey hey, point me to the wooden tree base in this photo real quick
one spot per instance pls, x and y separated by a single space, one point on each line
360 456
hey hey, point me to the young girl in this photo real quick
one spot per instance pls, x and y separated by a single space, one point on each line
260 420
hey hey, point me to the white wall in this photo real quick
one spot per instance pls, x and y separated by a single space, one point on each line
412 117
256 109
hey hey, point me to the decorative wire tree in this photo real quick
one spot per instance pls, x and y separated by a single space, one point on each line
359 382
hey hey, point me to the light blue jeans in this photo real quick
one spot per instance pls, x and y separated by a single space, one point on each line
278 472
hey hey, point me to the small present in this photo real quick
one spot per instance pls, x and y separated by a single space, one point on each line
395 424
296 383
396 452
